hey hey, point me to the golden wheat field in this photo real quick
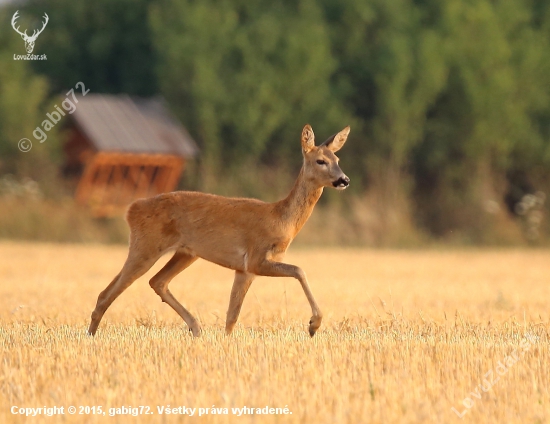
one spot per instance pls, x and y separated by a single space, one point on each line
407 336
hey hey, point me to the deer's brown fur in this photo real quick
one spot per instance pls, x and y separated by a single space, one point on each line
246 235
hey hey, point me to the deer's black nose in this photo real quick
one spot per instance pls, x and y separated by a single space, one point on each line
341 182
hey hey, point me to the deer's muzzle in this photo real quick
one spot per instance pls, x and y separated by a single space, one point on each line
341 183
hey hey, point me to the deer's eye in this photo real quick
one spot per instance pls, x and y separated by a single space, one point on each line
321 162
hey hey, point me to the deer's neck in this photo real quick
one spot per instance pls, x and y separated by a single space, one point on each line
297 207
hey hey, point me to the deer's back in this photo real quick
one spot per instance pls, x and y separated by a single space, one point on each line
228 231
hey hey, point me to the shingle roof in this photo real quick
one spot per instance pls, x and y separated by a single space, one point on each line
124 124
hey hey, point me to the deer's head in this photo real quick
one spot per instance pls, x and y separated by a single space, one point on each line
320 162
29 41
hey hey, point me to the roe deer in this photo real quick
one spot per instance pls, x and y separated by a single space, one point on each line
246 235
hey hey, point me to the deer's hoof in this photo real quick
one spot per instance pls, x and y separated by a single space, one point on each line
314 324
196 330
92 330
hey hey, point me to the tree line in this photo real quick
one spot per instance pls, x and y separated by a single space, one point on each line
448 100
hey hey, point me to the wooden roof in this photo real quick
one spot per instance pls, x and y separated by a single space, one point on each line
120 123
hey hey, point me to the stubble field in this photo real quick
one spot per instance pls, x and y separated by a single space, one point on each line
407 337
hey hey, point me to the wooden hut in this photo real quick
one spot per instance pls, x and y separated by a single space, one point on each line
121 148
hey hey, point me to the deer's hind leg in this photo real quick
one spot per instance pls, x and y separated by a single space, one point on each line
160 281
139 261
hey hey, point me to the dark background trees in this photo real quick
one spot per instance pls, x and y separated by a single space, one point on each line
449 101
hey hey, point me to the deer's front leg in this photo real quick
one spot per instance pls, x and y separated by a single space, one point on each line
242 283
278 269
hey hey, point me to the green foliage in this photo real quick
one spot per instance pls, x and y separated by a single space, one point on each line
22 96
246 76
449 100
105 44
485 122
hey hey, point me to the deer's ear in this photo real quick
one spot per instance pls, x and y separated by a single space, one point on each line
335 142
308 139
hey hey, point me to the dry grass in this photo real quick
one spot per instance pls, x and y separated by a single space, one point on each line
406 337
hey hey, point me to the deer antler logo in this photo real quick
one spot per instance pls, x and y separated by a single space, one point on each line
29 41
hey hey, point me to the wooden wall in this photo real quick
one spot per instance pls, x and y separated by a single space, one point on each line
111 180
